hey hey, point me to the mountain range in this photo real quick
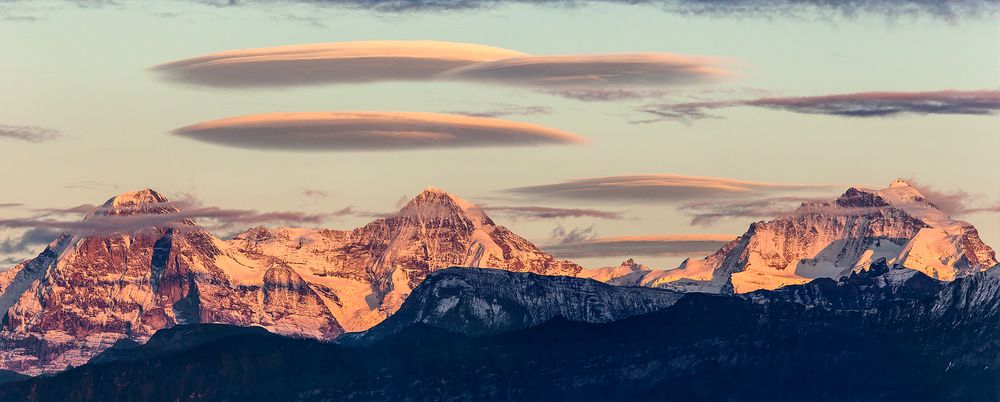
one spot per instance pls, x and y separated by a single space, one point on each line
87 292
887 333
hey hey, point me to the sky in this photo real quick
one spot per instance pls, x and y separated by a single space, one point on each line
633 126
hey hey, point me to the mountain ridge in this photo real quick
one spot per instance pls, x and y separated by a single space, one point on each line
834 238
703 347
135 275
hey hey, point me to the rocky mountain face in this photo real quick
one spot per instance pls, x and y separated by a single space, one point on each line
860 291
834 239
909 337
138 267
628 273
366 273
488 301
87 291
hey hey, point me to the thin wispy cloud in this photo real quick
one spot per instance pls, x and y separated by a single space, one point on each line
640 246
313 193
371 131
656 188
29 133
541 213
956 202
606 95
350 210
505 110
179 215
857 105
91 185
709 212
941 9
74 210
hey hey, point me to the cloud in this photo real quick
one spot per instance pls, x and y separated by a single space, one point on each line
956 202
860 105
562 236
640 246
350 210
28 241
605 95
81 209
29 133
179 215
709 212
91 184
942 9
356 131
327 63
539 213
374 61
505 110
313 193
656 188
595 70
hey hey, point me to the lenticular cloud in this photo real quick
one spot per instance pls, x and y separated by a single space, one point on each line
373 61
329 63
356 131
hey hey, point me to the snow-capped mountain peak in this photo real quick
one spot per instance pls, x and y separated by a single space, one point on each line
833 239
434 203
145 201
370 270
130 271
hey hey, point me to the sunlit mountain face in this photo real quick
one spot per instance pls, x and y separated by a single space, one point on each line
471 200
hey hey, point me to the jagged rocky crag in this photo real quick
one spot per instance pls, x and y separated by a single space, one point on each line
833 239
87 291
142 271
919 339
487 301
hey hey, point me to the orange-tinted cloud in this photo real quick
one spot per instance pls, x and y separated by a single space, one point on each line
370 61
352 131
655 188
595 70
338 62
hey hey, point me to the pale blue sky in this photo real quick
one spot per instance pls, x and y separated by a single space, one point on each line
83 71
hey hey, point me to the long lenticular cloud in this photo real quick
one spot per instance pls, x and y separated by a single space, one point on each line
641 246
656 188
374 61
596 70
360 131
859 105
328 63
